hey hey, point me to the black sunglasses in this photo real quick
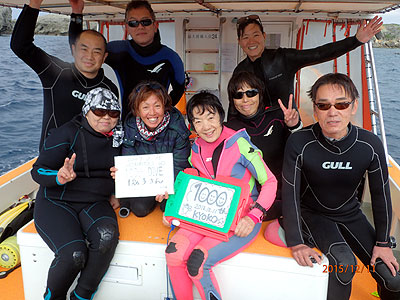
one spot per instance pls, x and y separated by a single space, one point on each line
249 93
100 112
134 23
248 19
338 106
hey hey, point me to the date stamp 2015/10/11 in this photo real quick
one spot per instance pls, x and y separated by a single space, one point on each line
350 268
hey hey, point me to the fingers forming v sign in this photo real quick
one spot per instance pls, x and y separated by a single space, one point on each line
66 172
291 115
367 31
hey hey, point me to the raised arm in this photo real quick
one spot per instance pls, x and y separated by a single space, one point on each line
301 58
75 25
23 36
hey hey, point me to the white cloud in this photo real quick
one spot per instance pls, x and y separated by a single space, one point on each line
392 17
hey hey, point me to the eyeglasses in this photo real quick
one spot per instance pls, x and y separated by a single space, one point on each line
338 106
249 93
100 112
135 23
248 19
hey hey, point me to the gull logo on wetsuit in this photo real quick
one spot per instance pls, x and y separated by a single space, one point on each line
77 94
333 165
157 68
269 131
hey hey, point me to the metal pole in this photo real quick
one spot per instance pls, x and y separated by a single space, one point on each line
221 21
372 73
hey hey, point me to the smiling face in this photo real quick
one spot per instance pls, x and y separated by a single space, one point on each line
252 41
151 111
101 124
334 122
207 124
247 106
142 35
89 53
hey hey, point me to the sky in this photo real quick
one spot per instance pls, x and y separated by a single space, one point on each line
392 17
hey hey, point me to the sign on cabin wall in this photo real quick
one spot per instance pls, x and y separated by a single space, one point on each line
144 175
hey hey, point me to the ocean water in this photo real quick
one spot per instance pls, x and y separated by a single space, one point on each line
21 100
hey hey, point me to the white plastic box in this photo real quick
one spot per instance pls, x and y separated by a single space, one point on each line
138 271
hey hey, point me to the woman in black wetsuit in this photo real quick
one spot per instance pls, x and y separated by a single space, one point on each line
268 127
73 214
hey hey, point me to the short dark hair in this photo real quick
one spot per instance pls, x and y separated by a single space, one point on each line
144 90
337 79
237 82
204 100
247 21
138 4
92 32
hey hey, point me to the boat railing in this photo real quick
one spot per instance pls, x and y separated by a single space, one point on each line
374 97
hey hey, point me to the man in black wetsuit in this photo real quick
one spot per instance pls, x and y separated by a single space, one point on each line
323 167
141 58
277 67
64 84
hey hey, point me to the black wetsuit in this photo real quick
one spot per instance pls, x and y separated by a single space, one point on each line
277 67
133 64
64 87
321 207
69 216
269 133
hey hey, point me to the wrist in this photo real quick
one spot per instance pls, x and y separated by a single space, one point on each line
77 18
391 243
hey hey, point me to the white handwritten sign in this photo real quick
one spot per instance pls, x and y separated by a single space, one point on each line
206 202
144 175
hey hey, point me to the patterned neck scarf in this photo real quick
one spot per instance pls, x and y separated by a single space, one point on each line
148 135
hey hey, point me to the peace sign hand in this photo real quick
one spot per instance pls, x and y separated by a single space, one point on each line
66 172
291 115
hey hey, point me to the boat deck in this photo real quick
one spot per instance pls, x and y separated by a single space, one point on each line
156 233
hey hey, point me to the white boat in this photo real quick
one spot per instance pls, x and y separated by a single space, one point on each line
204 34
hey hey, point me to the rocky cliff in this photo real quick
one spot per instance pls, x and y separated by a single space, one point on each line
389 37
50 24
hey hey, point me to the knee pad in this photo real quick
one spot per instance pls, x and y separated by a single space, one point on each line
108 237
344 263
391 283
78 260
175 250
196 261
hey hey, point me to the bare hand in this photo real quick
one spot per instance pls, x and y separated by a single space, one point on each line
291 115
302 254
244 227
386 254
113 170
114 202
77 6
35 3
66 172
366 31
165 221
160 198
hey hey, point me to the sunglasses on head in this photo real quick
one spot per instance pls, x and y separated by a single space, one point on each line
135 23
248 19
100 112
249 93
338 106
